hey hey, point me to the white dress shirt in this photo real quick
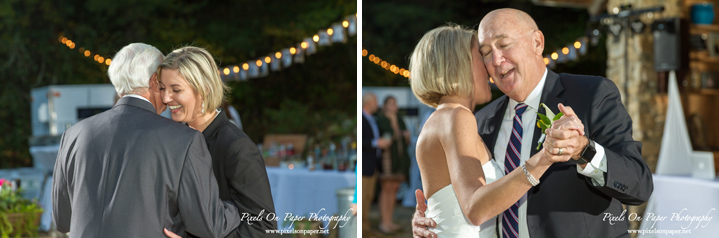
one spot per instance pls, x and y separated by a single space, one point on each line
529 121
140 97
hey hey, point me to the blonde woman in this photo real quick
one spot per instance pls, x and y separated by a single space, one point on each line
467 189
193 91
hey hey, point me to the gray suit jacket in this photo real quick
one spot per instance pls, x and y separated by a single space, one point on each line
129 172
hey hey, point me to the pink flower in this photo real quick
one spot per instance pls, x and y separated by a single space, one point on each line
2 182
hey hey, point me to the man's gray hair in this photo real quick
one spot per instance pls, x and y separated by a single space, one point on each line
132 67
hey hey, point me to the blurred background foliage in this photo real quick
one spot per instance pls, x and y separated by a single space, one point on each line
392 28
307 98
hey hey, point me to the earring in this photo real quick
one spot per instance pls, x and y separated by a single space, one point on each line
203 107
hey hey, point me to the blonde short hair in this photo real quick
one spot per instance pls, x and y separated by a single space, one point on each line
198 67
441 64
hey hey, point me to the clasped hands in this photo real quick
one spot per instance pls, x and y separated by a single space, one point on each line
565 139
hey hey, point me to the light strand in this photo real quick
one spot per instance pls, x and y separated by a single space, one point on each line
337 33
85 52
385 65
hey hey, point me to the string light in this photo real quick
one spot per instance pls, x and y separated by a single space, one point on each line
546 61
303 45
565 50
577 44
85 52
226 71
555 56
386 65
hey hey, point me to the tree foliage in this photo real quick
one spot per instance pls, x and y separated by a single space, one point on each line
323 89
391 30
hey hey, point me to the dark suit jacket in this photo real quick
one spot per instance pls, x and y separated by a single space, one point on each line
129 172
565 203
370 161
241 175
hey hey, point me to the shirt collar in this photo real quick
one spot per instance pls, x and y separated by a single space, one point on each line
366 114
534 97
137 96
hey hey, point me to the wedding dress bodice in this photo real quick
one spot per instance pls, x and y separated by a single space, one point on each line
443 207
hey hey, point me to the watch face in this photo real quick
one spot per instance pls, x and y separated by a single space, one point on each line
589 152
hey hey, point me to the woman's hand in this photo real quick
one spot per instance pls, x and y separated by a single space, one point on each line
170 234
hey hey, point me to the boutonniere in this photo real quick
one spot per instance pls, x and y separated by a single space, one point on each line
545 122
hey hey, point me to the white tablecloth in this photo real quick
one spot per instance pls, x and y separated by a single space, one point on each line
679 198
301 192
43 157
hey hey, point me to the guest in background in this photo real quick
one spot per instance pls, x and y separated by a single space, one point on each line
232 114
372 146
395 162
192 89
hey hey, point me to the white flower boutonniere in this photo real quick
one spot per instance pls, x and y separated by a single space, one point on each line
545 121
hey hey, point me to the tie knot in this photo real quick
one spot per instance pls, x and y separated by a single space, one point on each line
520 108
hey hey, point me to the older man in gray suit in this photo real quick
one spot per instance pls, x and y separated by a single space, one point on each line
129 172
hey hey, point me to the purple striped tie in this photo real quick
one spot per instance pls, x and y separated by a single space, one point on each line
510 217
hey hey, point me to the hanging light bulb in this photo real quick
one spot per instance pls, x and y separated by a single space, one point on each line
245 66
236 69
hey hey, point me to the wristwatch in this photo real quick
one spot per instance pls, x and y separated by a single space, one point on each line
588 153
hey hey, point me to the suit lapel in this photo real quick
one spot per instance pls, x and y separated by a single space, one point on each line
550 97
490 128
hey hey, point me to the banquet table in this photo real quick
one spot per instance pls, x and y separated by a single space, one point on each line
301 192
679 199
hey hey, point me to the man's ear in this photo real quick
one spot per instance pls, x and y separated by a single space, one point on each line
538 42
154 83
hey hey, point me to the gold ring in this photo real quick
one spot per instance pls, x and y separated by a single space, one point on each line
560 151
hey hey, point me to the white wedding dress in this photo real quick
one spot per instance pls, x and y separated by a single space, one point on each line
443 207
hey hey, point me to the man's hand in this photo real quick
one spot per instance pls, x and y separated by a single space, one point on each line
170 234
566 133
383 143
419 221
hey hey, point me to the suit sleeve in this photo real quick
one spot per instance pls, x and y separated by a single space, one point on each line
201 209
366 134
61 205
246 174
628 178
